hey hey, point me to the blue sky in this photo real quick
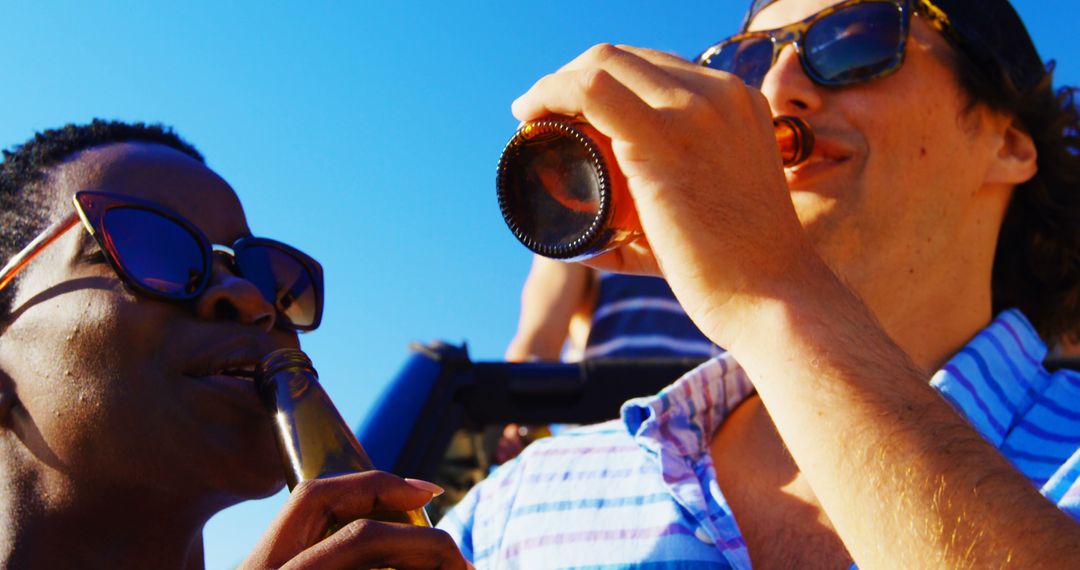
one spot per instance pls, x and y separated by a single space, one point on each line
364 133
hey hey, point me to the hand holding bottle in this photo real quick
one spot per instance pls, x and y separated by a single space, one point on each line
699 152
296 537
563 196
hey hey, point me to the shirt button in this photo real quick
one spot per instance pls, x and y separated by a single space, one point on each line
703 536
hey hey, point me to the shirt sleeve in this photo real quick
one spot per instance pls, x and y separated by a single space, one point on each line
458 523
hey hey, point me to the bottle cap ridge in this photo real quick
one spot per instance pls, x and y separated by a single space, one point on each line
283 359
552 164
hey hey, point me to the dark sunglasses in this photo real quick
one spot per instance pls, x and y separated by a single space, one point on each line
845 44
159 253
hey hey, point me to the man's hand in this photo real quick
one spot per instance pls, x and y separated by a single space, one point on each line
295 538
698 151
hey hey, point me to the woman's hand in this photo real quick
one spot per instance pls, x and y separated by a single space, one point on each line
296 537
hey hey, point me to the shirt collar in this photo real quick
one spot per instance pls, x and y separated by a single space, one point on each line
684 415
997 376
990 381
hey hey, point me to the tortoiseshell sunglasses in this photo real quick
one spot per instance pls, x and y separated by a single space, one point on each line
160 253
845 44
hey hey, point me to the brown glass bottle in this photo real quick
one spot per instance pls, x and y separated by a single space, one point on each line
314 440
563 196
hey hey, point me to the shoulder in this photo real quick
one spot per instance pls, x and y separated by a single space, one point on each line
589 498
552 460
553 481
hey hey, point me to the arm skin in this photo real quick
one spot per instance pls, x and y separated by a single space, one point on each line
906 481
552 294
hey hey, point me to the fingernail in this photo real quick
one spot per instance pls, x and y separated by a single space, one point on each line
432 488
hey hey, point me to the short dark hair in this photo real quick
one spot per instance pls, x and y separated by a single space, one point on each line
25 205
1037 262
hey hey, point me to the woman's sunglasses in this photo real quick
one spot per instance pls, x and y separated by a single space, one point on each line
159 253
845 44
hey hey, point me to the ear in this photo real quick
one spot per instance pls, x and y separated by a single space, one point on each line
1016 160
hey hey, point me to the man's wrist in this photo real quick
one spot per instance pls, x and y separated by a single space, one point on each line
792 296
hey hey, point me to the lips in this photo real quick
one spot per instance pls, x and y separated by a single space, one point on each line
828 154
825 150
240 366
225 370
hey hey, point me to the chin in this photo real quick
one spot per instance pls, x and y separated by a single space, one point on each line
246 465
249 484
224 499
262 488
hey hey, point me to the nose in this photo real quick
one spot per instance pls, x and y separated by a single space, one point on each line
787 87
230 297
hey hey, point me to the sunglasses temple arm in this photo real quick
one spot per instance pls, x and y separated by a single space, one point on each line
21 259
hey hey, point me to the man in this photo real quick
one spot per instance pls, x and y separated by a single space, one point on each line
838 287
128 416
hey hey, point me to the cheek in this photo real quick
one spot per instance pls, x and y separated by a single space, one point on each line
113 331
906 140
81 356
916 151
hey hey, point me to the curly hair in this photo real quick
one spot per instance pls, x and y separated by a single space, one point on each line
25 203
1037 262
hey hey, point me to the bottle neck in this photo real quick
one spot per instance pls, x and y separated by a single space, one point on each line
314 440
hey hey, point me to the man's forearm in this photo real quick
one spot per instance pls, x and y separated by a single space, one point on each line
906 481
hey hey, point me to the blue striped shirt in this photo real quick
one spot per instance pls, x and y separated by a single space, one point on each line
637 316
641 491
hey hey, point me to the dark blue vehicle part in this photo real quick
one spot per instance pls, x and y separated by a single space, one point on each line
440 390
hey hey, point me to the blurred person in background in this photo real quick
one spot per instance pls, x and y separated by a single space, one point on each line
570 312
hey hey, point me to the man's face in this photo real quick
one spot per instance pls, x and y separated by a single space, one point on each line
899 164
125 391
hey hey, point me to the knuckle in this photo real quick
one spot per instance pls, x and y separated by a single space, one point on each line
685 107
693 103
359 531
549 77
760 101
308 491
445 541
594 81
603 51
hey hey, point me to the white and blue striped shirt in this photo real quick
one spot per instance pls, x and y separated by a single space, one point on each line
641 491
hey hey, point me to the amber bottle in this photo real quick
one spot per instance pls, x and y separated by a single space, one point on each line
563 196
314 440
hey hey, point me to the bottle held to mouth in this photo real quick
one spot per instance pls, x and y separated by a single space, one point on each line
314 440
561 192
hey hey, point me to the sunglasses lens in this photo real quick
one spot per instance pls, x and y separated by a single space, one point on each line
155 251
748 58
284 281
856 43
